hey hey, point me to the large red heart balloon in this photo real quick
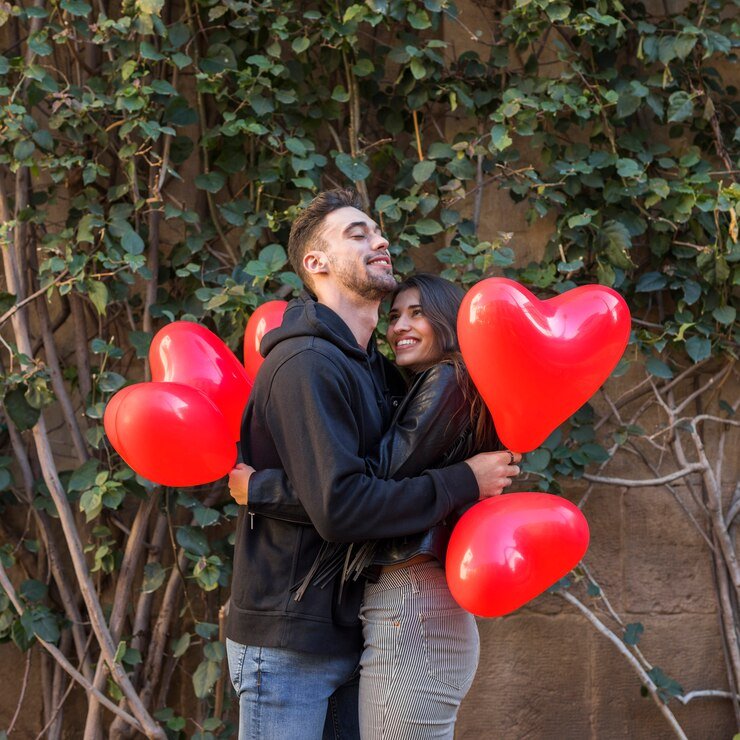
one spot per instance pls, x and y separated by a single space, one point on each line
265 318
508 549
170 433
188 353
535 363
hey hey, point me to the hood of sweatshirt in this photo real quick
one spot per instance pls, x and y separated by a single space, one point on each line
305 317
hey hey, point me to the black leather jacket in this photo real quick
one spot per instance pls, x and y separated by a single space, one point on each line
431 429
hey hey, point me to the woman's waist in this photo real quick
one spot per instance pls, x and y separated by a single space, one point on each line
428 545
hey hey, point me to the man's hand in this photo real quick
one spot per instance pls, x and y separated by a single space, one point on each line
239 483
494 471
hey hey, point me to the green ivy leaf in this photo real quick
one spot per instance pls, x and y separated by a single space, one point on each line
212 182
41 622
180 645
98 293
300 44
273 256
632 633
423 171
23 150
205 516
500 138
698 348
628 103
658 368
537 460
428 227
109 382
141 341
132 242
725 315
205 677
33 590
363 68
354 169
150 7
23 415
192 540
76 7
680 107
651 281
84 476
154 575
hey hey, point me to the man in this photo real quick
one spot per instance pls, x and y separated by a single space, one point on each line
319 406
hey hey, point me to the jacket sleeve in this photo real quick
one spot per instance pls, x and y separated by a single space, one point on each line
270 494
319 450
431 419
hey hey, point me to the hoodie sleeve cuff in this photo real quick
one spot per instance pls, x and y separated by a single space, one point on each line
459 484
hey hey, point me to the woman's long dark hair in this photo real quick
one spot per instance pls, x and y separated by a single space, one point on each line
440 302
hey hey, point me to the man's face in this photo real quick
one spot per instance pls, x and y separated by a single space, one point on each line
357 253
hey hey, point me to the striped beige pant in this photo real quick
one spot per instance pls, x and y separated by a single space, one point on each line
420 656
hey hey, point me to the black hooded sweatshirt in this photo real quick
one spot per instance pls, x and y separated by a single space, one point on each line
318 409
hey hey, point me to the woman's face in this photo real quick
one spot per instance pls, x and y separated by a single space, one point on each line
410 334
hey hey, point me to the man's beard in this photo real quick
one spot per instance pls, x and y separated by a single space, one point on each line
370 285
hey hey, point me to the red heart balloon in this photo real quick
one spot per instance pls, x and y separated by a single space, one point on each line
535 363
506 550
265 318
170 433
111 412
188 353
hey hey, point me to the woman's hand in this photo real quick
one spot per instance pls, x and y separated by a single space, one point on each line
239 483
494 471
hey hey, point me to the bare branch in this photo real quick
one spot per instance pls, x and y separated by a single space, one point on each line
628 483
717 379
24 686
706 694
59 656
620 645
11 311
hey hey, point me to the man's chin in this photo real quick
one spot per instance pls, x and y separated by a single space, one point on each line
381 285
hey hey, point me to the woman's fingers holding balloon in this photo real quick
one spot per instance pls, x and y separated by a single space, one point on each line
514 457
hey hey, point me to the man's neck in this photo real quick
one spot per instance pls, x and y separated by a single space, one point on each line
360 315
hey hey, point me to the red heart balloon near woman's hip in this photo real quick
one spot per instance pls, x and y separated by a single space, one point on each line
508 549
535 363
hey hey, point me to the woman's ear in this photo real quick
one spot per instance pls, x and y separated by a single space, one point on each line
316 263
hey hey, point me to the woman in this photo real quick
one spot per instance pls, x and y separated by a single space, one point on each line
420 648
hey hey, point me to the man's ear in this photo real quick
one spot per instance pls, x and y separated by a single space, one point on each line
316 262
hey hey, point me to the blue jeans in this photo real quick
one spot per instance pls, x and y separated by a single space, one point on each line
289 694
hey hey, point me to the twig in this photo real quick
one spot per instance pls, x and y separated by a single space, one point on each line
419 150
706 694
619 644
30 298
627 482
59 656
719 378
24 686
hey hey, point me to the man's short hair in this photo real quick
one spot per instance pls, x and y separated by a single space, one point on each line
306 229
